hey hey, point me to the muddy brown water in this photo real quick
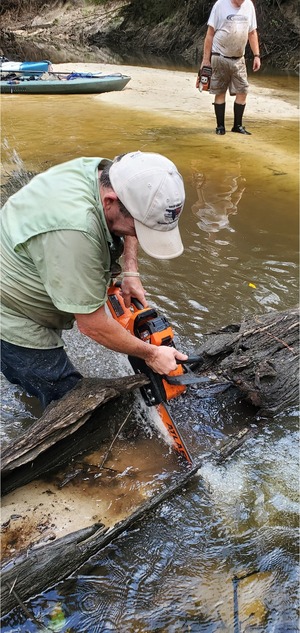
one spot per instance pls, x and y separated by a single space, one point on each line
176 571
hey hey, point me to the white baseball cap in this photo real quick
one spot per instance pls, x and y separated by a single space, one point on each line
152 190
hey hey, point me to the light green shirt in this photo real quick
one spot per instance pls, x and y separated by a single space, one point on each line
55 259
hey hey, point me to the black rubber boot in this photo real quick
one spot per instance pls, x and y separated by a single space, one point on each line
240 130
238 110
220 116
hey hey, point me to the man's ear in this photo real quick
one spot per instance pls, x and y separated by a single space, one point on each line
108 199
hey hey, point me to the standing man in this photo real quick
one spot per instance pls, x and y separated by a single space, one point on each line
230 25
57 239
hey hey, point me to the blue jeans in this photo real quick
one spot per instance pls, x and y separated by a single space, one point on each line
45 373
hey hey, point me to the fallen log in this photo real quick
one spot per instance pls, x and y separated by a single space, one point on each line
48 443
260 357
40 567
65 416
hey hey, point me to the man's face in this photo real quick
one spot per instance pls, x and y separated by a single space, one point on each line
118 222
121 224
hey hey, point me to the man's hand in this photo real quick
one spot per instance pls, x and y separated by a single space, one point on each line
207 48
256 64
163 359
101 327
132 287
253 41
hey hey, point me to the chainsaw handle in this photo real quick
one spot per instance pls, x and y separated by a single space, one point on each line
137 303
190 360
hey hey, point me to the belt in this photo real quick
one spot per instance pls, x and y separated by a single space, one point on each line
219 55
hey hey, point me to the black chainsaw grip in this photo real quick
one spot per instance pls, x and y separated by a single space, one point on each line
137 304
190 360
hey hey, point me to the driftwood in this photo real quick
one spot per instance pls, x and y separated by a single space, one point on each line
31 455
41 567
260 357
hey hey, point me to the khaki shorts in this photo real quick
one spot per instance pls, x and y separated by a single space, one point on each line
228 73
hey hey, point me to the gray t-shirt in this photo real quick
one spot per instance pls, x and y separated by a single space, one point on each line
232 26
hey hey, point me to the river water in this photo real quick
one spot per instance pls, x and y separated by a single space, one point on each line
222 555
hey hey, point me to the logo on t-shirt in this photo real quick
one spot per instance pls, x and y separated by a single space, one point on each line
237 18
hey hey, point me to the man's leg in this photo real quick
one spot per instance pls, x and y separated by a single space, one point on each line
238 110
45 373
219 106
219 84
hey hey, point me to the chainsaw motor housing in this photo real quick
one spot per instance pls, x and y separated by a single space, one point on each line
147 325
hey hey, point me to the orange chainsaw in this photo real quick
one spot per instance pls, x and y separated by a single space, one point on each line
147 325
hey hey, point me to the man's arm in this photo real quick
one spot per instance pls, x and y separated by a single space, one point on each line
100 327
132 286
207 46
253 41
130 253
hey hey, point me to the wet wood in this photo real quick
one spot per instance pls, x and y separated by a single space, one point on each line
41 567
65 416
260 357
30 455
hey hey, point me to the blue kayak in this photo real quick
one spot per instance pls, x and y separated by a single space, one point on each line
25 68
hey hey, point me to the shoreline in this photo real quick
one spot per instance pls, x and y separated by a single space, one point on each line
173 93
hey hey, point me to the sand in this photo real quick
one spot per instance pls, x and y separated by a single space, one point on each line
173 93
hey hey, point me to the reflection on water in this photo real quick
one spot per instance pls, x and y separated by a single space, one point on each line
175 571
219 193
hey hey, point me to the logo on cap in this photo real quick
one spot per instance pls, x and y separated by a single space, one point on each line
171 215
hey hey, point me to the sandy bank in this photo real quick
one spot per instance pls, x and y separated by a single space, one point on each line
173 93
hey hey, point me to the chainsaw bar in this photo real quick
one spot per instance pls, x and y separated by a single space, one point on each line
171 427
188 379
154 395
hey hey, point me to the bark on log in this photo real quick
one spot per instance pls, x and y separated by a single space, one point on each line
260 356
31 455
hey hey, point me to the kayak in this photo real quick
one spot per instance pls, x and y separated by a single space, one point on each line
25 68
74 83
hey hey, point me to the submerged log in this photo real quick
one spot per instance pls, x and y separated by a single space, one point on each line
260 357
40 567
65 416
30 455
